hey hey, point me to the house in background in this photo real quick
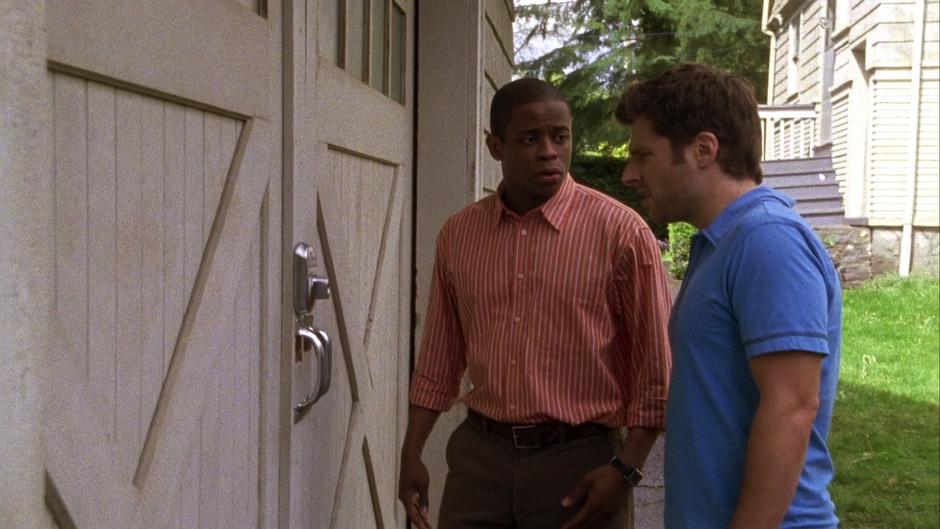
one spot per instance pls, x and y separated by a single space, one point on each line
852 126
165 341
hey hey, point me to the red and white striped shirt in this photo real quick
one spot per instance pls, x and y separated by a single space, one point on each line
560 315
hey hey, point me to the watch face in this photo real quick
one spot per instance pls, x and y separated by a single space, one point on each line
633 477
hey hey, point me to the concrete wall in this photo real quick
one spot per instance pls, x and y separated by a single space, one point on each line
26 287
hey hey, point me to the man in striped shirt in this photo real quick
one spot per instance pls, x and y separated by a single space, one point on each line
552 297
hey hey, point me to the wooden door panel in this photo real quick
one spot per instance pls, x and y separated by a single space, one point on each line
333 415
110 220
361 120
355 503
112 394
362 221
361 203
221 476
207 331
351 173
206 52
164 393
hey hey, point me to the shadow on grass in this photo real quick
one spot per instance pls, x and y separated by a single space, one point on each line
887 455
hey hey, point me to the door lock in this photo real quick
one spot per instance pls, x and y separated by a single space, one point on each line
308 288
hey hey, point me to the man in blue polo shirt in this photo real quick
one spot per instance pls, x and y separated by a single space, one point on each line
756 327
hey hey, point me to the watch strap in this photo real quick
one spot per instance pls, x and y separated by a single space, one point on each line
631 474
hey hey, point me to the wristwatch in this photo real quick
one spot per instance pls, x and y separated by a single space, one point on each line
631 474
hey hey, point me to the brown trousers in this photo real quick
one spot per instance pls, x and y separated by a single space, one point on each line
492 485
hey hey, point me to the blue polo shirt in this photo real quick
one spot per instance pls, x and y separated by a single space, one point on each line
759 281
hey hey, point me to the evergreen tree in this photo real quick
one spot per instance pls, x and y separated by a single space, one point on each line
605 43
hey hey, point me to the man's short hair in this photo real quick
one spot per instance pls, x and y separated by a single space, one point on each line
516 93
692 98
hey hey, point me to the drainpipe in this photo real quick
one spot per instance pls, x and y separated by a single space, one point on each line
907 234
771 66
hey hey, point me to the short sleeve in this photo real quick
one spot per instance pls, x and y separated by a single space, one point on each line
778 291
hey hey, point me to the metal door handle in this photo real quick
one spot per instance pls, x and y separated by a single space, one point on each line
323 348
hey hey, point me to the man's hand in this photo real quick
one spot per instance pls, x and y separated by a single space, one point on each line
413 490
601 494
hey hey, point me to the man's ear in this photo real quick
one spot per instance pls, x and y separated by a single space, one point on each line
495 146
705 151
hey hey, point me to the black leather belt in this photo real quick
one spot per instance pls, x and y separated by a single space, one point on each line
534 436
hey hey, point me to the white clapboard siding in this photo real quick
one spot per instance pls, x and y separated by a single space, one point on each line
782 58
811 48
809 56
865 16
840 129
138 183
888 149
932 36
928 153
842 71
490 170
497 52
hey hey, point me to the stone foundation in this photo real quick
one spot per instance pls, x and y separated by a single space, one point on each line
926 252
886 251
861 253
851 251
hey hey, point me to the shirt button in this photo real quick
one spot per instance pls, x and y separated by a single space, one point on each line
512 362
516 319
520 275
524 231
512 406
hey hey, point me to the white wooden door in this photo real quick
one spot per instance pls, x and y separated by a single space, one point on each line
352 198
163 397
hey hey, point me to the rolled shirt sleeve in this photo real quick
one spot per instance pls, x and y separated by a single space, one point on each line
442 359
645 303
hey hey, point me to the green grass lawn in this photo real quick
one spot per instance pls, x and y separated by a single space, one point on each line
886 430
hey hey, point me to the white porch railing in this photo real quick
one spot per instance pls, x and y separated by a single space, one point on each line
789 131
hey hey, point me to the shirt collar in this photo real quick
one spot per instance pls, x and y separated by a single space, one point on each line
729 217
554 211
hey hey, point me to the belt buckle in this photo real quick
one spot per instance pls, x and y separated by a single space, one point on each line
515 437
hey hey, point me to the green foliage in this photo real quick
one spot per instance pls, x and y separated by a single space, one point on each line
886 428
603 174
680 245
609 42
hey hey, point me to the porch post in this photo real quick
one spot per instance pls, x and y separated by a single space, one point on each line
26 261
